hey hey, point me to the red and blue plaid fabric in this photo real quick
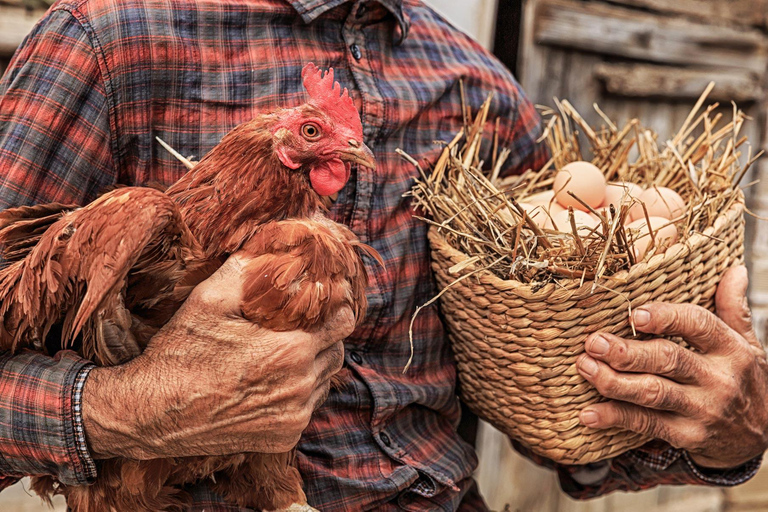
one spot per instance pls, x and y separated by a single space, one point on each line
97 80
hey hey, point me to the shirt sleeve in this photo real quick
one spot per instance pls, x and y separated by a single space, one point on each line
55 143
54 146
38 428
655 463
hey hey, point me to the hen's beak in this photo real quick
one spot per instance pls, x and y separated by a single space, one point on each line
358 153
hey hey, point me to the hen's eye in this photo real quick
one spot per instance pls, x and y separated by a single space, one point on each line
310 131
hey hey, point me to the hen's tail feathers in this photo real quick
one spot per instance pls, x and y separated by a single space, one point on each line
22 227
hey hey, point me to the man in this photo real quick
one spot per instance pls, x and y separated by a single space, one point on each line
81 103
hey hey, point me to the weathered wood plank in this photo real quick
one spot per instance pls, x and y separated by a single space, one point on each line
647 80
743 12
612 30
15 24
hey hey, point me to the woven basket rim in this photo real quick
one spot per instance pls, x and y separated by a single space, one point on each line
676 251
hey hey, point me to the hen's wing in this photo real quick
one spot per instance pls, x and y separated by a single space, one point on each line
91 269
21 228
302 272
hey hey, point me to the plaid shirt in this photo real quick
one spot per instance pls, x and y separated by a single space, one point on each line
97 80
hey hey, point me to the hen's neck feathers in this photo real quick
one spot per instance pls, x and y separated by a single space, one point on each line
238 186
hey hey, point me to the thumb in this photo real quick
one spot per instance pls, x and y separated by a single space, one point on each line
731 302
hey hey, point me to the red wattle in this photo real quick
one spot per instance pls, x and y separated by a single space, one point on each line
329 177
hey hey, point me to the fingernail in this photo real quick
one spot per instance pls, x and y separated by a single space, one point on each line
642 317
588 366
589 417
598 346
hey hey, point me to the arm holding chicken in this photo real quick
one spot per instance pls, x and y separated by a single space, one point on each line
711 402
228 385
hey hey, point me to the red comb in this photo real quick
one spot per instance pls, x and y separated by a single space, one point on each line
328 96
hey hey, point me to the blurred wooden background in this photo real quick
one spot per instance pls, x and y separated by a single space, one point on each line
635 58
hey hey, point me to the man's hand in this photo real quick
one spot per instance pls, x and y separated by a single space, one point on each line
212 383
712 402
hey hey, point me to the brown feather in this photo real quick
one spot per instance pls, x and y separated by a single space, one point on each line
111 274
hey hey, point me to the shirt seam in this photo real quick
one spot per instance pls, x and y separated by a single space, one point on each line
105 78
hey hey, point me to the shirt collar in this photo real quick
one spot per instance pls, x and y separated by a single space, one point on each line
310 10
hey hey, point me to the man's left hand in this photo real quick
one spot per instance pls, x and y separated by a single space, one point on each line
712 402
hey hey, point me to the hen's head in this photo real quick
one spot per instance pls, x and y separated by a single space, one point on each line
322 137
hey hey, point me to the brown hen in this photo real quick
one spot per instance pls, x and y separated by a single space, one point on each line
104 278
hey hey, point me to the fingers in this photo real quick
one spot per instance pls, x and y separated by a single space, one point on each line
732 305
653 424
319 396
337 329
657 357
694 324
329 362
223 291
641 389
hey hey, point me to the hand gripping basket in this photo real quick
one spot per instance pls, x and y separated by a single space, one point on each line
516 346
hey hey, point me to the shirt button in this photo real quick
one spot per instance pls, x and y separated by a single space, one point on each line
356 53
355 357
361 11
385 439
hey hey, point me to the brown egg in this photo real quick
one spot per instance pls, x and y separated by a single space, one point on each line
538 214
615 192
544 198
555 209
660 202
585 180
585 222
665 234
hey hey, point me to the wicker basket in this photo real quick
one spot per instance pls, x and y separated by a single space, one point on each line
516 346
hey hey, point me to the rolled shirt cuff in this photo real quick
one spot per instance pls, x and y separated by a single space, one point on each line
41 429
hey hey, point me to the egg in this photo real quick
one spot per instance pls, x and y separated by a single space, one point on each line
538 214
555 209
506 214
615 192
665 234
584 222
585 180
544 198
660 202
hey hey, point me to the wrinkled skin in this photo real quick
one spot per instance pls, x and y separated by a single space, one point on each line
712 402
228 385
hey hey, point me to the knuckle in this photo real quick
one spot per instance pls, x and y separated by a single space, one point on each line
670 356
205 294
653 393
666 316
628 418
337 359
345 323
622 357
303 389
692 437
708 324
606 384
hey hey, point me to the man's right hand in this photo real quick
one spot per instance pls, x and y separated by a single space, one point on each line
213 383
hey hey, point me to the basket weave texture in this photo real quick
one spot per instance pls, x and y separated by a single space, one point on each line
516 345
